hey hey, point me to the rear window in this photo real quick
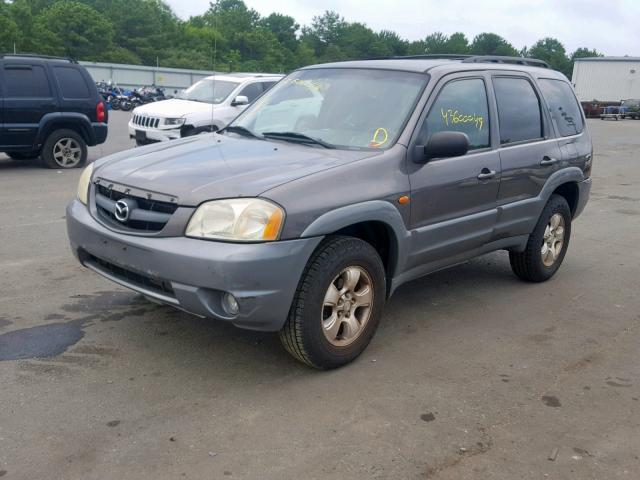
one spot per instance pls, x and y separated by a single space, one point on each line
26 81
71 82
519 113
563 106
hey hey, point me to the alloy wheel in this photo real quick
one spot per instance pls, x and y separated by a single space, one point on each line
347 306
553 240
67 152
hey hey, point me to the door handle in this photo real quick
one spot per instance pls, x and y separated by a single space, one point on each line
548 161
486 174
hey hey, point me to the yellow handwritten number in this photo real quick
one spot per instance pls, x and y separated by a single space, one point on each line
380 137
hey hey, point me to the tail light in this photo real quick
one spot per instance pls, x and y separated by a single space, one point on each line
100 115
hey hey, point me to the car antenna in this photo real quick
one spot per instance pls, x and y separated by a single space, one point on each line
215 54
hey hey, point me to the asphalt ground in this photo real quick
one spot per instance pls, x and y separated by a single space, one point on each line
473 374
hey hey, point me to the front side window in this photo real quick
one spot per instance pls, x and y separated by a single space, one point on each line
209 91
343 107
23 81
461 106
519 113
252 91
563 106
267 85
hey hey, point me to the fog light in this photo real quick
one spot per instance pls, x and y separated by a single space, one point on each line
230 304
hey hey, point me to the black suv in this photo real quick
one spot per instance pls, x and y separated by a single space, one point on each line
49 107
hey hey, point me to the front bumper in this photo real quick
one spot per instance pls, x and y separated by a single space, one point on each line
155 134
192 274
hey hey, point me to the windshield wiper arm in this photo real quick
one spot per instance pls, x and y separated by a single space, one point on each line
240 130
297 137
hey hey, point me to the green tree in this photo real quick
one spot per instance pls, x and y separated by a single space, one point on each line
458 43
238 37
284 28
435 43
73 29
585 53
553 52
492 44
9 32
396 45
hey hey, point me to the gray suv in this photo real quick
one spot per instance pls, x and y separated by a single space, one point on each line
338 185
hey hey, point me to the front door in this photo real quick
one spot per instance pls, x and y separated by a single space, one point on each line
453 200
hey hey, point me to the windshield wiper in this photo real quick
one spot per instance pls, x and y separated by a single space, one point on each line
240 130
296 137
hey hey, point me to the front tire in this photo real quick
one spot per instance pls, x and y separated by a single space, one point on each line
547 245
338 304
64 149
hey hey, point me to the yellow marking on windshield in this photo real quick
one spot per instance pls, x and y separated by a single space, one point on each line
380 137
455 117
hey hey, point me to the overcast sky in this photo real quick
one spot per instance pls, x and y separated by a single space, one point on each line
610 26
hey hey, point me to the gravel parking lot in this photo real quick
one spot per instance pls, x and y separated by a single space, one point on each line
472 375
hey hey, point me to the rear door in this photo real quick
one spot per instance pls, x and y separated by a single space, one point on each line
529 152
568 120
28 96
453 200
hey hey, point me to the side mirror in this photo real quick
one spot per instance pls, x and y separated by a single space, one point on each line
444 145
240 100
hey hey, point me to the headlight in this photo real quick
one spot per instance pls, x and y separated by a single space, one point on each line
173 121
83 184
239 220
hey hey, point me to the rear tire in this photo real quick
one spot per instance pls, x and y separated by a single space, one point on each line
64 149
338 304
547 245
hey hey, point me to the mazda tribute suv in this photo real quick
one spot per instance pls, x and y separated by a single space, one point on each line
337 186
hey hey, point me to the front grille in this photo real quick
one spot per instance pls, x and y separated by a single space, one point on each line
144 121
150 215
129 276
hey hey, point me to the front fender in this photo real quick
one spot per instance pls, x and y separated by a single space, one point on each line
371 211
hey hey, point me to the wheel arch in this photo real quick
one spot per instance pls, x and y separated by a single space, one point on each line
77 122
377 222
571 193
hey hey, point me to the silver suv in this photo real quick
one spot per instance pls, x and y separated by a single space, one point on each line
337 186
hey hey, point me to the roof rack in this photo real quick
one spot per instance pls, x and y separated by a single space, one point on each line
35 55
531 62
434 56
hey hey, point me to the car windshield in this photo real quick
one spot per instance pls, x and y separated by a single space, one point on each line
340 107
631 103
208 91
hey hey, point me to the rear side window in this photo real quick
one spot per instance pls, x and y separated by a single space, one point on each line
461 106
563 106
519 113
71 82
26 81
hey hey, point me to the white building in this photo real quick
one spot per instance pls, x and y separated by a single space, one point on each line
606 79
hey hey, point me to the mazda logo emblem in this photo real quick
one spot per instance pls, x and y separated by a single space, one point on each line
122 211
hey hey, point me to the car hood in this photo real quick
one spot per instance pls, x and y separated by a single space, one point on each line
213 166
173 107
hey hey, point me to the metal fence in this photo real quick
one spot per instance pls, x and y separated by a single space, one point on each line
132 76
